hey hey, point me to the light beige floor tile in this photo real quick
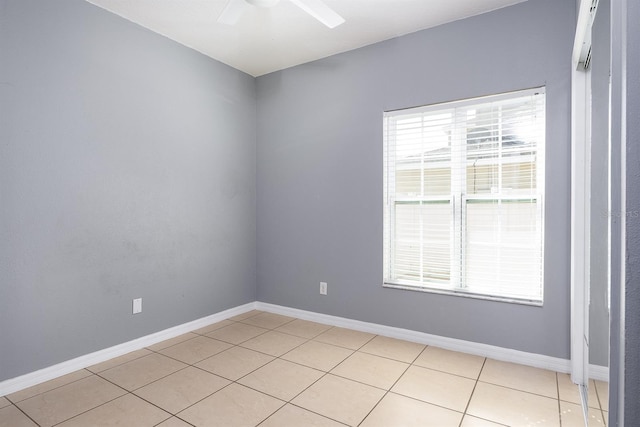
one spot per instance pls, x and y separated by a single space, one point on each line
267 320
439 388
396 410
513 407
347 338
303 328
340 399
281 379
470 421
234 405
62 403
245 315
213 327
108 364
182 389
4 402
571 415
140 372
236 333
127 410
273 343
290 415
452 362
318 355
10 416
370 369
568 391
593 400
602 388
520 377
596 418
172 341
235 362
196 349
173 422
48 385
404 351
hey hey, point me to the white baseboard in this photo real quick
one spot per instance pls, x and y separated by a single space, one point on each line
484 350
60 369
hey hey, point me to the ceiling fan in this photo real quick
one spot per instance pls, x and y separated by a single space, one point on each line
316 8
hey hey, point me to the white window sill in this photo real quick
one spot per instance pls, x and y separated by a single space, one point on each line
462 293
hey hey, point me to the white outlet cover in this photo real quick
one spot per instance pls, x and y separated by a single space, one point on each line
323 288
137 305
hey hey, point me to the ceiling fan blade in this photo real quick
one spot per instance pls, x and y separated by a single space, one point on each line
232 12
319 10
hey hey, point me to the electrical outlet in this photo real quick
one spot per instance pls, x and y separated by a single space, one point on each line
137 305
323 288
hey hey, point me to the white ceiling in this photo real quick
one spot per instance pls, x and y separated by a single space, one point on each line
271 39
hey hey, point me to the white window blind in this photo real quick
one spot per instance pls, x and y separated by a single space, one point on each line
463 196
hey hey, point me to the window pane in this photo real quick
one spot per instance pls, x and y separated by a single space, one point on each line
501 148
503 248
423 242
415 183
494 175
423 155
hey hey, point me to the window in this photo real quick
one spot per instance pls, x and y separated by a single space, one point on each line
463 197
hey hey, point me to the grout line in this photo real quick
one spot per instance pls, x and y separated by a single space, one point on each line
204 334
392 385
410 363
173 416
15 402
474 390
241 342
313 412
135 358
195 403
595 388
159 352
91 409
520 390
559 406
267 354
138 388
23 412
466 408
341 346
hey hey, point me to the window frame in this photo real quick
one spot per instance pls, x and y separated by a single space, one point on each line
458 200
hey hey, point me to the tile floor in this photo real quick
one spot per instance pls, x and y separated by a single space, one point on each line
275 371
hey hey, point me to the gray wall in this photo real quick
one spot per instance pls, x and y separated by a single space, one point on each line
127 169
599 251
319 206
